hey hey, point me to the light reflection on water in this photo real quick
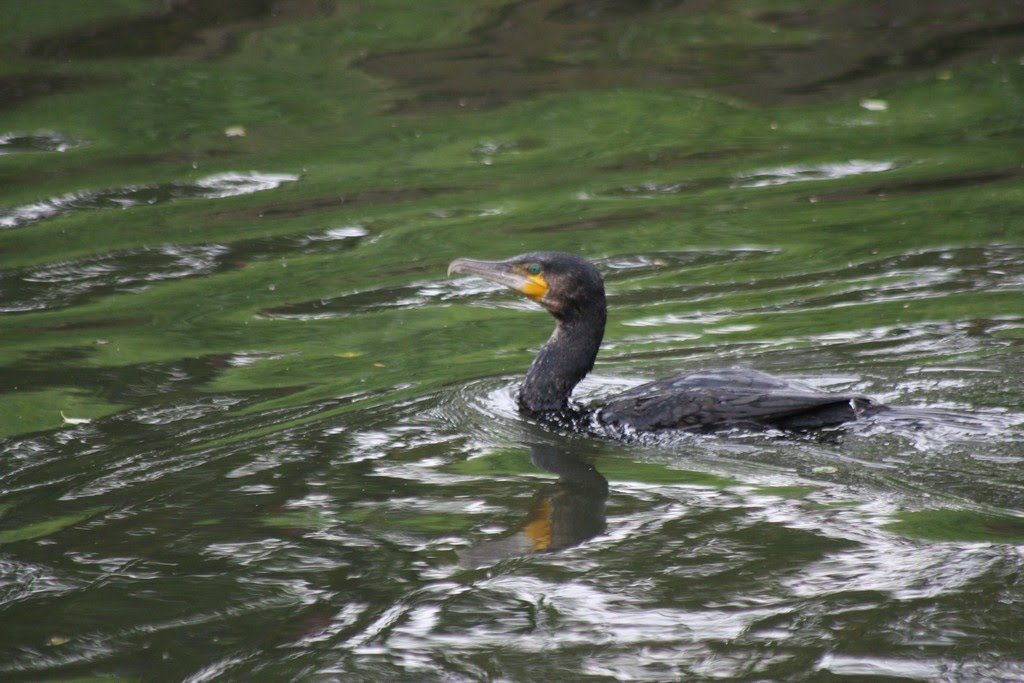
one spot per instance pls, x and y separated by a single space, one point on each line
767 177
219 186
748 574
34 143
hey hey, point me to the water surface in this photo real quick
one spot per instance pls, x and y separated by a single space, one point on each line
249 429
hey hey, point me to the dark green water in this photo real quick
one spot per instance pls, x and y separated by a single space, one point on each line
289 447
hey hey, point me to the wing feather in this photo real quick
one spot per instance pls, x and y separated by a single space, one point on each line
725 397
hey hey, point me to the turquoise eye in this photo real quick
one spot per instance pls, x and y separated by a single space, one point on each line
534 269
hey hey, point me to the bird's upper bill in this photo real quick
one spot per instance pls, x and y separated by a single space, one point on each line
525 278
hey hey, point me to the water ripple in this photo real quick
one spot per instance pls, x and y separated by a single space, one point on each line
217 186
34 143
911 276
783 175
73 282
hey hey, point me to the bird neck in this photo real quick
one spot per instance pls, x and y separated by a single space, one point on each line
564 360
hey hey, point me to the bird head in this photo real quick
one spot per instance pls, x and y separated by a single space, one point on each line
564 284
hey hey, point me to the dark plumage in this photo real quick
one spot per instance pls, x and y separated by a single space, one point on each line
572 290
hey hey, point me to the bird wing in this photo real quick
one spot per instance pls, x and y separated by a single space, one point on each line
724 397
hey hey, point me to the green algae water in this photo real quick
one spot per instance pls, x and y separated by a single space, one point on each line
250 431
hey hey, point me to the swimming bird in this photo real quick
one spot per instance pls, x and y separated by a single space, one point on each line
571 289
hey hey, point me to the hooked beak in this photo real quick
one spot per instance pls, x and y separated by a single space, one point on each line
513 276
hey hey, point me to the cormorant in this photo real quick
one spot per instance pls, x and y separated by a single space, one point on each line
572 290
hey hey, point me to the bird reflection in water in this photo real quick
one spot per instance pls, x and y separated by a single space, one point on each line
563 514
